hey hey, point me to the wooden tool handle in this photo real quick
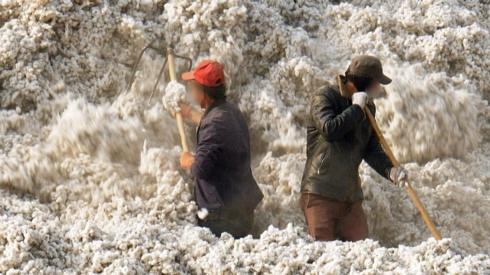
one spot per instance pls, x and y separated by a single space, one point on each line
423 212
411 192
178 115
381 138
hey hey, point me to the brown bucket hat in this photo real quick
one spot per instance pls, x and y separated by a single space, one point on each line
368 66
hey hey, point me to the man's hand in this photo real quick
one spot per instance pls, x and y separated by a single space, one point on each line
360 98
186 160
185 110
189 113
399 176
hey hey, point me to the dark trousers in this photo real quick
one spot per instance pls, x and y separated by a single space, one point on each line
329 219
237 223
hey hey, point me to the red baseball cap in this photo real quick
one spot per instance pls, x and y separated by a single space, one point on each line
208 73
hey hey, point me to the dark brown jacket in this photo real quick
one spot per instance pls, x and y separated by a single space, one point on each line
339 137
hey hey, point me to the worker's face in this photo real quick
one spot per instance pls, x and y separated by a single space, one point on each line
375 90
373 87
197 93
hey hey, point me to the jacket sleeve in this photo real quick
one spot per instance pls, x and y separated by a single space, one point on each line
331 125
208 150
375 156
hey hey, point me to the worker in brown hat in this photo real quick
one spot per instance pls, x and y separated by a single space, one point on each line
339 137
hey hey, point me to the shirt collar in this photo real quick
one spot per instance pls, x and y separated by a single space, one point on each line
215 104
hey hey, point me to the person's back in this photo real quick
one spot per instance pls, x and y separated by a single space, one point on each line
223 130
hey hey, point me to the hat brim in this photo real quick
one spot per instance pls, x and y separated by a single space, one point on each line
188 75
384 80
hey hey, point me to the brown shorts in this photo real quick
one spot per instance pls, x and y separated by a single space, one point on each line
329 219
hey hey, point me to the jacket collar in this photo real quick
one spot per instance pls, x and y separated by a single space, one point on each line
210 107
215 104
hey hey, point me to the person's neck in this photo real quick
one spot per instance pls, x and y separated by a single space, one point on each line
347 88
351 89
207 102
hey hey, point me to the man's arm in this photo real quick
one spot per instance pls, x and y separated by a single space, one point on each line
332 126
208 151
376 157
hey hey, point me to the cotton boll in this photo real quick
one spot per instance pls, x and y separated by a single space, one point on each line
202 213
175 93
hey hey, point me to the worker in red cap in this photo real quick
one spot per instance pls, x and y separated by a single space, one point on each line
225 187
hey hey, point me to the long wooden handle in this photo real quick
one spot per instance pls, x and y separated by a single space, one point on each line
178 115
411 192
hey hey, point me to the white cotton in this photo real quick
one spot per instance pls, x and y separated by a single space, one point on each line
202 213
174 94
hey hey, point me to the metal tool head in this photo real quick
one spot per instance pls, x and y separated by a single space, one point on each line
164 51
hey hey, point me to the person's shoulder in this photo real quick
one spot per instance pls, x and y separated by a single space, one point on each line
227 109
332 91
212 121
328 92
328 89
229 106
219 113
